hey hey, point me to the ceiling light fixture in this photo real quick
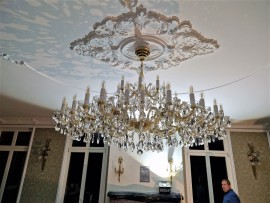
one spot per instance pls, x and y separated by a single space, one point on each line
140 115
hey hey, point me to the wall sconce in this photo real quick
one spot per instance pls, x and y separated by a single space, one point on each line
254 158
120 170
172 168
44 152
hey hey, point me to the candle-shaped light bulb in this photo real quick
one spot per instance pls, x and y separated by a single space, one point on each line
191 96
191 90
127 93
221 113
202 95
163 88
157 83
215 106
103 92
87 96
202 102
122 82
221 107
169 94
168 86
63 107
74 103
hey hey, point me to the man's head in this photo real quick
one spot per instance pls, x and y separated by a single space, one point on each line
226 185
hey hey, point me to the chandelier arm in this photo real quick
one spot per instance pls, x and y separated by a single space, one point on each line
150 110
132 87
148 93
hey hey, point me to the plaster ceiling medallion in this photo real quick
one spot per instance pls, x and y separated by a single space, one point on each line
115 39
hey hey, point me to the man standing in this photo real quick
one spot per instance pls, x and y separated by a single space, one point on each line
230 196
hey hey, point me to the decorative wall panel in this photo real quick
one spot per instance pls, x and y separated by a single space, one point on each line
251 190
41 186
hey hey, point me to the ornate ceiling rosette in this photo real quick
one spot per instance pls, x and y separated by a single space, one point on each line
115 39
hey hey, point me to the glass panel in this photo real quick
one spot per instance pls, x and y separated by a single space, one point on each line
217 145
3 162
74 179
198 147
14 177
97 143
23 138
80 143
199 179
6 138
219 172
92 184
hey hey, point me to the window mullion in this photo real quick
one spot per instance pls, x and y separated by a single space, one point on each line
209 178
5 174
26 164
103 175
64 171
85 164
14 138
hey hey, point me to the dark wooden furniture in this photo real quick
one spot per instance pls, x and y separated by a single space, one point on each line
134 197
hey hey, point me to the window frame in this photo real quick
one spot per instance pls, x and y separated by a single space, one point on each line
65 168
11 149
227 154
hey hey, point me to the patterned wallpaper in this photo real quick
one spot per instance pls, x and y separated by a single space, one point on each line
41 186
251 190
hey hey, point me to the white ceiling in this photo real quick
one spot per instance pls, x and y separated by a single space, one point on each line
39 33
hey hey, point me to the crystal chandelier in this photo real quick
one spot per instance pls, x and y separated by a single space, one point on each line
142 116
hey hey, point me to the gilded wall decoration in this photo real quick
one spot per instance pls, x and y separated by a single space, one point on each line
41 185
251 189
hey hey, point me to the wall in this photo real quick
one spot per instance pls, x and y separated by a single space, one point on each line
158 164
41 186
251 190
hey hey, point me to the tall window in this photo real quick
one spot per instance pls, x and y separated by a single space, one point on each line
206 166
84 172
14 147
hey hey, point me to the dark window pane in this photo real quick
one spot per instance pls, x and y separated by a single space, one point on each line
219 172
74 179
217 145
92 185
199 179
6 138
80 143
197 147
14 177
23 138
3 162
